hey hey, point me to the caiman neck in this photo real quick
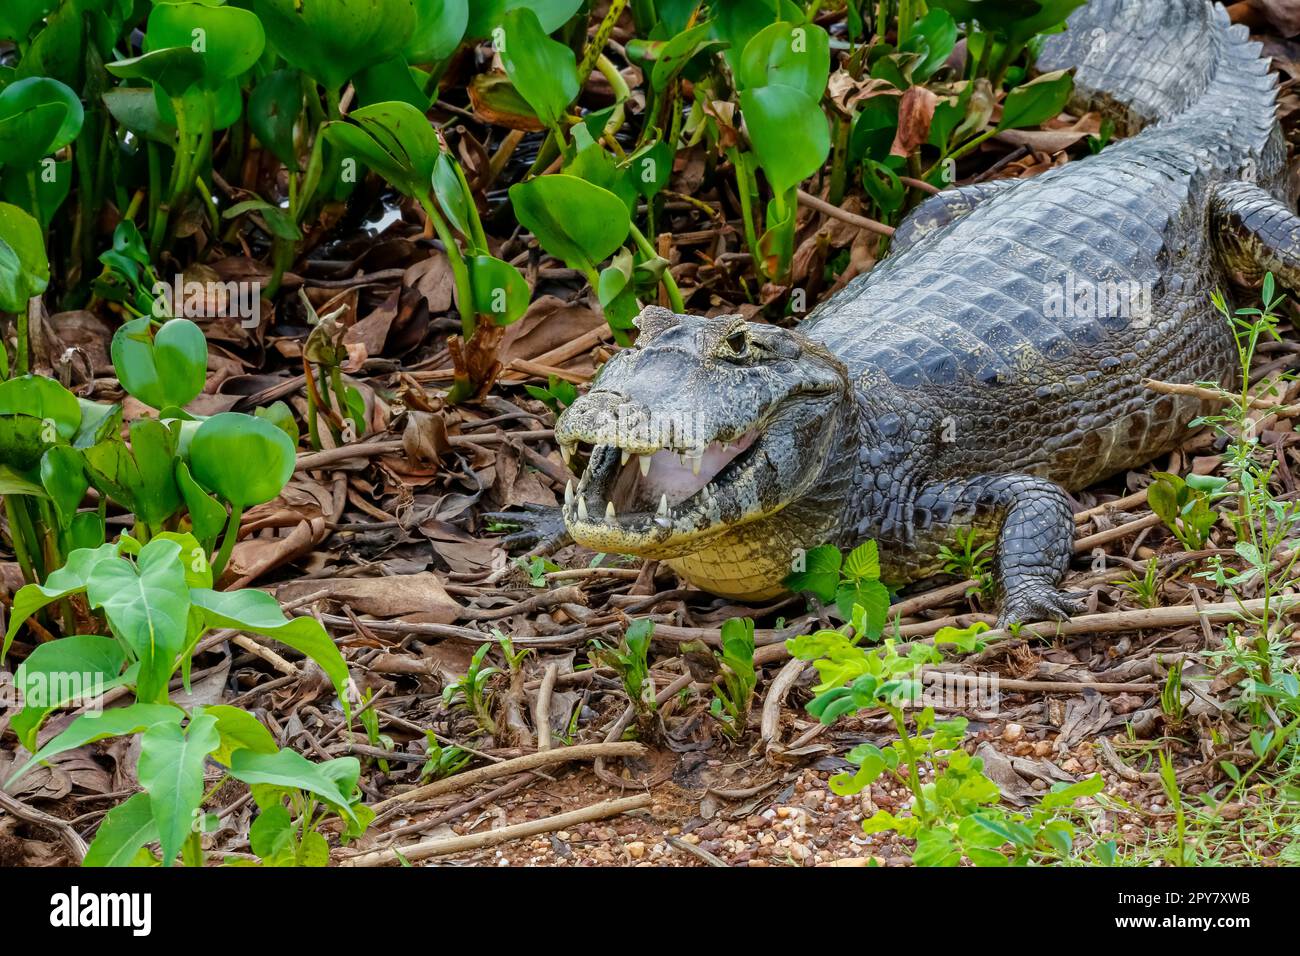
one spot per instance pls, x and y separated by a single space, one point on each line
750 562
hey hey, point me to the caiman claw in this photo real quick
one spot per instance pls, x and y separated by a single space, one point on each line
1036 602
541 529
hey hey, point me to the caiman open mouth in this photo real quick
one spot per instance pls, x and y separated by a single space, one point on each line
635 498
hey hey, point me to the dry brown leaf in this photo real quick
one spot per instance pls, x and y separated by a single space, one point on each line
389 596
915 112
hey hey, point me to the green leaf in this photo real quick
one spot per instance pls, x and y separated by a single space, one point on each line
820 574
552 14
789 133
544 71
57 673
483 16
395 140
392 81
167 367
274 107
1037 101
63 475
207 516
239 730
290 770
136 108
259 613
171 772
72 578
455 200
88 728
174 70
147 603
24 268
12 483
575 221
333 40
229 40
244 459
37 91
272 832
439 28
17 17
784 54
499 290
863 562
124 832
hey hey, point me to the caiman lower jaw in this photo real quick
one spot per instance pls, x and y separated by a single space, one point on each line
661 504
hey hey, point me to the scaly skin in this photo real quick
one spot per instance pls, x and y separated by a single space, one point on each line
964 382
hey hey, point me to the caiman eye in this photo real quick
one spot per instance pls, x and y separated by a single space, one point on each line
738 342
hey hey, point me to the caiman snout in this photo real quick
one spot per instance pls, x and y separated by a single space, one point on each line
693 433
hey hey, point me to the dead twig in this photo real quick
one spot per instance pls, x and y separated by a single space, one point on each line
478 841
541 758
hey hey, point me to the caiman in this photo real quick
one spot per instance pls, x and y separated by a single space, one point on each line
993 360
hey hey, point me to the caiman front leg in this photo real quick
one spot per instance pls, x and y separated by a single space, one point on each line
1255 234
1031 522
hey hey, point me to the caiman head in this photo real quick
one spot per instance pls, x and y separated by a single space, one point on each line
702 437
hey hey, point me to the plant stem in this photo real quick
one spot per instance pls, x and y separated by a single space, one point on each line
227 542
16 538
670 284
459 270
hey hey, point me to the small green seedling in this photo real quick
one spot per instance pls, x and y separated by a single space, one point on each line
471 691
631 659
733 694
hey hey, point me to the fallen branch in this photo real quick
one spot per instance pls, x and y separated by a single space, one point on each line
478 841
1117 622
843 215
506 768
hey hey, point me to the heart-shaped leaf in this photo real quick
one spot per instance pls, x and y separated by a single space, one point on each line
228 39
115 722
574 220
147 603
72 578
244 459
789 133
171 772
439 28
333 40
784 54
167 367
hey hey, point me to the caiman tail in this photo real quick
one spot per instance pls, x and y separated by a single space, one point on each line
1183 62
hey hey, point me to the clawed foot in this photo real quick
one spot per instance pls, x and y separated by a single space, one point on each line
1036 602
541 529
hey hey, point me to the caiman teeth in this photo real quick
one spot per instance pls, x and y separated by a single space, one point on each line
568 494
696 462
627 455
610 515
643 461
582 509
663 505
566 450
